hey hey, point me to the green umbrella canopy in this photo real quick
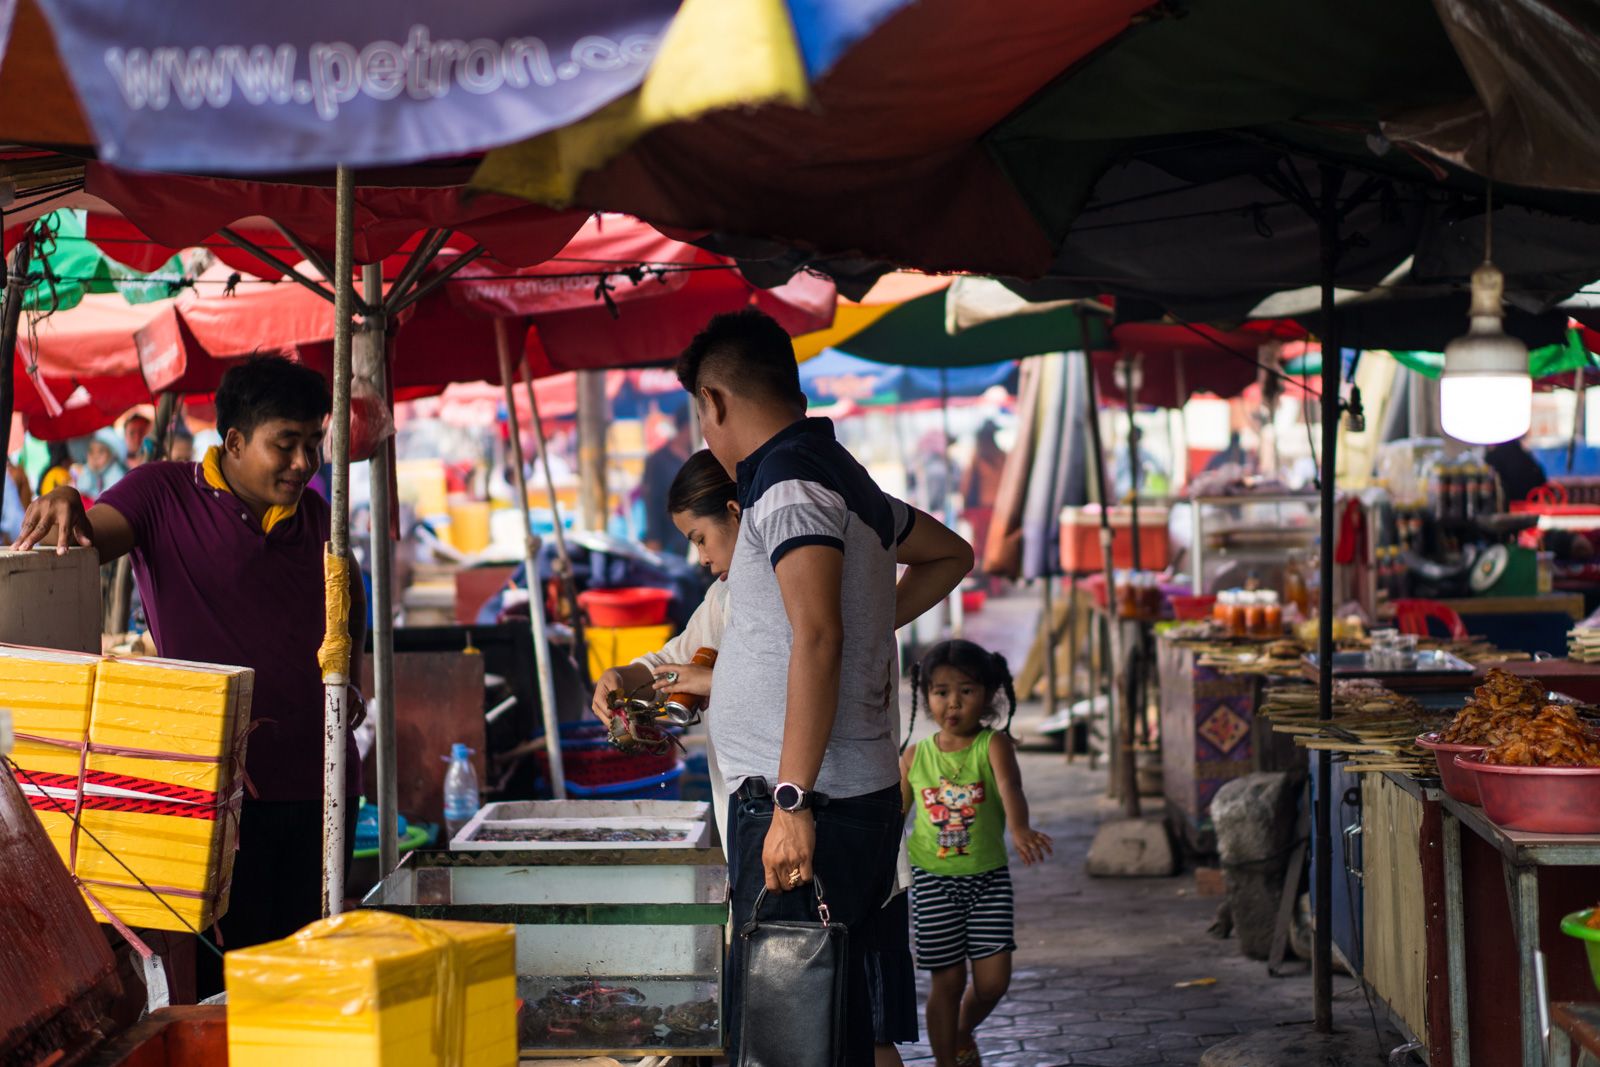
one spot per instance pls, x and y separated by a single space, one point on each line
914 335
1543 362
67 265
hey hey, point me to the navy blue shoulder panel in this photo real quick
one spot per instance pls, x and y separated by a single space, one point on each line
819 459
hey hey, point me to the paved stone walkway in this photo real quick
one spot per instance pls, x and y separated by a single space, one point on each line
1098 960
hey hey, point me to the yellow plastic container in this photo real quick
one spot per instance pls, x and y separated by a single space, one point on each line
49 694
372 989
612 646
469 525
160 780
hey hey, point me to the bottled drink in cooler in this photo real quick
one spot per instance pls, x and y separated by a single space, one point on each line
460 790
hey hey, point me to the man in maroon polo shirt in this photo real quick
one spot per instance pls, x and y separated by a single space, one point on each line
228 556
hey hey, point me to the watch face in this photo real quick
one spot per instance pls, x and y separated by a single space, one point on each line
787 797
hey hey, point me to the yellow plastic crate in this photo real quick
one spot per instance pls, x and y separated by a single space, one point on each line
613 646
161 777
372 989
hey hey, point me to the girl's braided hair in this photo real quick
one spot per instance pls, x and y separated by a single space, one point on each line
989 669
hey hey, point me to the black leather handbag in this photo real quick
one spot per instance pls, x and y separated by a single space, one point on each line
794 990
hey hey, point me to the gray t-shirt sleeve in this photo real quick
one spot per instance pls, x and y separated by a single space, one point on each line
794 514
905 517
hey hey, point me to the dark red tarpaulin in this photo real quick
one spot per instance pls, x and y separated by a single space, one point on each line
181 212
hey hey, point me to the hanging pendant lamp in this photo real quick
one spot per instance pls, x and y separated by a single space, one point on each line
1486 394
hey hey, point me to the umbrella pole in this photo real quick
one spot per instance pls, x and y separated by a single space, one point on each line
957 616
16 289
375 335
334 656
1123 774
530 563
1322 949
1138 708
569 589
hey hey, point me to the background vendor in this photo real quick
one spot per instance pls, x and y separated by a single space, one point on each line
228 556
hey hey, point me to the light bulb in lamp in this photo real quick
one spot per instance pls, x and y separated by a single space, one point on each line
1485 394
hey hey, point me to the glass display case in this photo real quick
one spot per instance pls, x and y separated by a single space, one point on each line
619 952
1250 535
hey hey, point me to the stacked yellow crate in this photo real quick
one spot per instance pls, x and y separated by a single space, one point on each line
378 990
172 733
160 779
49 694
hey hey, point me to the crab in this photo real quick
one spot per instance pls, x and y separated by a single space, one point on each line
639 724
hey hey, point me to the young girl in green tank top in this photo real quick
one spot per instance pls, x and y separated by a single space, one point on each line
963 789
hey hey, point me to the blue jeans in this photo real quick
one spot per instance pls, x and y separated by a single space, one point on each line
858 840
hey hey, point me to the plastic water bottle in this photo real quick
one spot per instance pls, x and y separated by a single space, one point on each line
460 790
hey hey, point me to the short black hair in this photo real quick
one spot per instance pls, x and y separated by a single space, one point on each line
748 353
270 387
702 488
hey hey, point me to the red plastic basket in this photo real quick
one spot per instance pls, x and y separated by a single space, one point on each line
608 766
640 606
1192 608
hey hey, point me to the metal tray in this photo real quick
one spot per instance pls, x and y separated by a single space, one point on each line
1431 663
669 824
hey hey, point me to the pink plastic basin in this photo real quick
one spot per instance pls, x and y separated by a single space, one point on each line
1460 784
1538 800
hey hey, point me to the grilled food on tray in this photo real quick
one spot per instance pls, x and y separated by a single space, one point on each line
1496 707
1555 737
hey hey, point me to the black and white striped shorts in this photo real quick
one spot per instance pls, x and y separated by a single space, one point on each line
961 917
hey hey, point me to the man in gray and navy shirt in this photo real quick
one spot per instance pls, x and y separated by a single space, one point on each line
805 678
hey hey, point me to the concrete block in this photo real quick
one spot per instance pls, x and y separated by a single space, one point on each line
1132 848
1255 820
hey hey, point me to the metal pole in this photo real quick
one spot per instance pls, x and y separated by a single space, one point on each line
1322 950
336 667
569 589
16 290
375 337
1130 394
544 462
953 602
530 563
1124 774
593 496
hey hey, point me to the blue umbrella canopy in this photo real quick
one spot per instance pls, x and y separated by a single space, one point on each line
836 376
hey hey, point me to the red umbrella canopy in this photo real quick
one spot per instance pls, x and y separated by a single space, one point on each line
77 370
182 212
619 294
1177 361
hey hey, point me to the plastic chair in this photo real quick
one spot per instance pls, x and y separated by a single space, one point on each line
1412 618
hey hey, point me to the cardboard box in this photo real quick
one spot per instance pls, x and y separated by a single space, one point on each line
377 989
160 780
52 601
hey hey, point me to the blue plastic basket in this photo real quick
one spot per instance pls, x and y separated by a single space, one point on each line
667 786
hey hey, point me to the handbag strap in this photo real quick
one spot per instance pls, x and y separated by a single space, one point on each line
822 905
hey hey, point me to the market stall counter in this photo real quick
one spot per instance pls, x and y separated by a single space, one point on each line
1210 735
1458 926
